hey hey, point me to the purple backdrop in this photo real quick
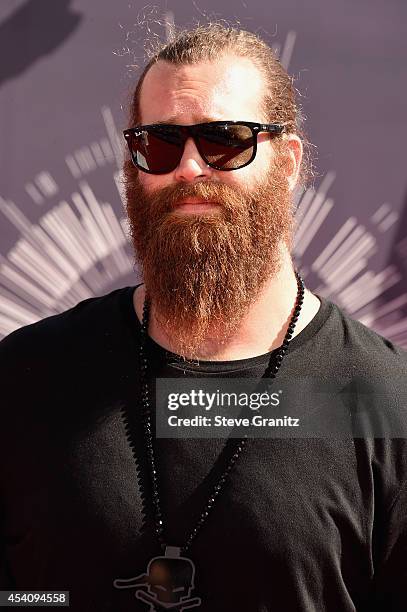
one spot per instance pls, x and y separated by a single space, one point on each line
66 72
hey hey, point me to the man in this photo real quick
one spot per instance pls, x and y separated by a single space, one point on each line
91 501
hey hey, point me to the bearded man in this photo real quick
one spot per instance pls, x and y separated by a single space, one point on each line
92 501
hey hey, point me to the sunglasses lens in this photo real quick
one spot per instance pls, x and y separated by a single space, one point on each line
226 146
157 149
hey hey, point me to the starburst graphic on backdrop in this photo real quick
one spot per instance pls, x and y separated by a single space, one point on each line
79 247
76 250
341 270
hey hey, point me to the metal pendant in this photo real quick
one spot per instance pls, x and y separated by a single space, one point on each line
167 584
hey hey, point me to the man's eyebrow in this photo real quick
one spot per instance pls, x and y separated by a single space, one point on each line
174 120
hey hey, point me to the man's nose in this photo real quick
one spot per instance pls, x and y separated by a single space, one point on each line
191 166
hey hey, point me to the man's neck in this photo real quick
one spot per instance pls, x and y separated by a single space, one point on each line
263 327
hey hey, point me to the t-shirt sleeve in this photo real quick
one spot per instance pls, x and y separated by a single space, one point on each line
12 387
5 578
390 579
4 404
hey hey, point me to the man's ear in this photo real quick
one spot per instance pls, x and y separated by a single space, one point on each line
294 152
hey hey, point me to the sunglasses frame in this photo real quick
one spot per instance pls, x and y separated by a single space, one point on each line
190 131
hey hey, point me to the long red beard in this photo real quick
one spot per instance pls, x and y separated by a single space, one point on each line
203 271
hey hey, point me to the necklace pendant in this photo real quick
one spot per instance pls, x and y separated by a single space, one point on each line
167 584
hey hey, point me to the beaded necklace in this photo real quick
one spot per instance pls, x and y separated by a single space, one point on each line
158 587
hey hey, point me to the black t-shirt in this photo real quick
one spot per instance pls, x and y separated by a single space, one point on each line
315 525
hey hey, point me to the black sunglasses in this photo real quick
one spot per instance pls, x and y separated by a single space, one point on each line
223 145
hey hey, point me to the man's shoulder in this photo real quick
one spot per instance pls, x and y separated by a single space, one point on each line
365 348
68 359
78 324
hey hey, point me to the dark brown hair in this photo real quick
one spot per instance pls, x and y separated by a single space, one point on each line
208 43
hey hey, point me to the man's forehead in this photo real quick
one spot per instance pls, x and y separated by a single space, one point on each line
231 85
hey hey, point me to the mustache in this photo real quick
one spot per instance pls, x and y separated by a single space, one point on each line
164 199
